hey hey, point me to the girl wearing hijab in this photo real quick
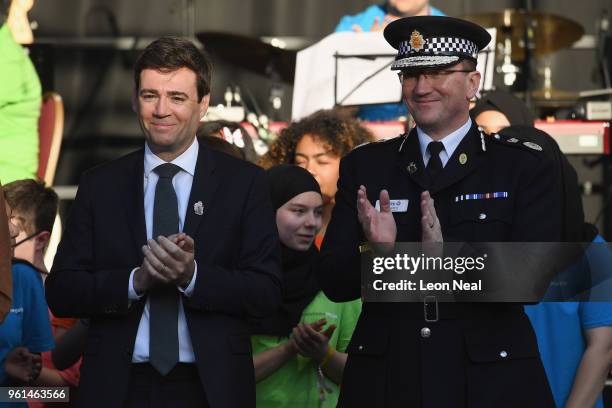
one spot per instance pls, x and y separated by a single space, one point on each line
500 109
317 143
298 353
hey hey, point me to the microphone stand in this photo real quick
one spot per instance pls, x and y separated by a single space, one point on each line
528 38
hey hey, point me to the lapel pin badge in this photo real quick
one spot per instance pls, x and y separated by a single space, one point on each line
463 158
412 168
198 208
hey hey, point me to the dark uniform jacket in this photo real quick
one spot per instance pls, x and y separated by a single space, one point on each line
475 355
237 252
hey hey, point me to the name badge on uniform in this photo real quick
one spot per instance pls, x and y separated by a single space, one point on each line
396 205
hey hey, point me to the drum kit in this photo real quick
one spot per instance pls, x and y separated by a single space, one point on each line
523 38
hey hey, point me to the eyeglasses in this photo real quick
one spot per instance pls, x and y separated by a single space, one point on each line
435 75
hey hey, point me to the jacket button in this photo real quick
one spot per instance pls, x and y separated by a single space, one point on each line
503 354
360 348
482 216
425 332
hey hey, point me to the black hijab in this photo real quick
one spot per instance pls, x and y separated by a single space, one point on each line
512 107
299 283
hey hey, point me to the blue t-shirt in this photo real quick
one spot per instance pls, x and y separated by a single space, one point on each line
559 328
27 323
365 20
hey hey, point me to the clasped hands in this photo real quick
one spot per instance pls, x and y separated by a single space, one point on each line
310 341
167 260
379 227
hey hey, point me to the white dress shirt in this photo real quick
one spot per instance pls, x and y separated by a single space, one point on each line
450 142
181 182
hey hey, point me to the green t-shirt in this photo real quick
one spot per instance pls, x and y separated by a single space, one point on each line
20 99
294 385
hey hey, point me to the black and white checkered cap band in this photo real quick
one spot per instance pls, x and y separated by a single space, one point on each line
442 45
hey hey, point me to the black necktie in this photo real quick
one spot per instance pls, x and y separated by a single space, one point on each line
434 166
163 307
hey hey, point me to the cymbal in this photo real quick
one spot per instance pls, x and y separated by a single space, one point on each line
251 53
551 32
551 97
554 94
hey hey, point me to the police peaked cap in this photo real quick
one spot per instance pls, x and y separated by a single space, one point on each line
434 41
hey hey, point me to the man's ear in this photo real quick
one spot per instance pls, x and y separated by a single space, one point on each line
204 105
42 240
473 84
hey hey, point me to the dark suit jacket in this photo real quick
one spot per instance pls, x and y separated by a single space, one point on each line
237 253
461 363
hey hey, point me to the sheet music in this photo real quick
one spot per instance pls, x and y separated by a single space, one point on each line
315 72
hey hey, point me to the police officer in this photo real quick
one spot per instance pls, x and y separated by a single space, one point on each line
444 181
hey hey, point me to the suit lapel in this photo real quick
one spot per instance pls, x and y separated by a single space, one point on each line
466 158
205 183
132 188
411 160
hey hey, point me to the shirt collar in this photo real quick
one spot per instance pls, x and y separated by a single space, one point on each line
186 161
450 142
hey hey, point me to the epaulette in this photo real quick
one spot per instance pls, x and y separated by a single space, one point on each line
513 141
379 142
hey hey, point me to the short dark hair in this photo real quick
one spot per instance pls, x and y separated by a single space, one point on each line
168 54
35 204
468 63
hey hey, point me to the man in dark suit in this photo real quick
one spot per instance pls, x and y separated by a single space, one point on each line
168 250
493 189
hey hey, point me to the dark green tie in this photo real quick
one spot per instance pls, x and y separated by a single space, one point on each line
163 307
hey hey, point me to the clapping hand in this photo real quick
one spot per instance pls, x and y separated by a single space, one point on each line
184 241
377 25
378 226
310 342
430 224
167 260
22 365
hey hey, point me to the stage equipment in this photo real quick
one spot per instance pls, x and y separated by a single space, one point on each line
550 32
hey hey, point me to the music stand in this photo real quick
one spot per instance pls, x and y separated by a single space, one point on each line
347 69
